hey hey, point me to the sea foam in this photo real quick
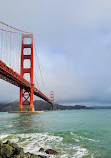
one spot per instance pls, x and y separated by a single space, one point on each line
34 141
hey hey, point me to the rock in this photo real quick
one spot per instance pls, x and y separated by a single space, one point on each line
1 144
29 155
19 152
12 150
7 142
17 156
6 150
41 156
14 145
51 151
34 156
41 149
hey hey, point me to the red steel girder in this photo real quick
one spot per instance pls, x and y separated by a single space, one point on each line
14 78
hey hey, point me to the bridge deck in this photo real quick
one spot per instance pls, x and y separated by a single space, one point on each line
14 78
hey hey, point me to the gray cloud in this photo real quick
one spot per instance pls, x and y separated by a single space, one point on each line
73 40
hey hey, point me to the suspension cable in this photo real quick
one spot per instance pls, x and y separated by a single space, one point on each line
40 69
13 27
36 81
10 31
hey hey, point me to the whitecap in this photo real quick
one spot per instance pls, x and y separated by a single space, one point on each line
76 137
34 141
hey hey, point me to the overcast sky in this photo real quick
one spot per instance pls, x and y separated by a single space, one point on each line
73 40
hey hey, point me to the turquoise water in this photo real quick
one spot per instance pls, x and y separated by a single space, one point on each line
74 134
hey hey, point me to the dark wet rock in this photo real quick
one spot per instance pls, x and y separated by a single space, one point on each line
7 142
41 156
28 155
14 145
34 156
18 151
51 151
41 149
17 156
1 144
6 150
12 150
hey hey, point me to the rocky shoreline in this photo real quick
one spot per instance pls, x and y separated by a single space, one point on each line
12 150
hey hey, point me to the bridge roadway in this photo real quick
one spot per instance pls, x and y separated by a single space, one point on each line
14 78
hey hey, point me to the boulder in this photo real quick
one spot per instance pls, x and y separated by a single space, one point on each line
41 149
29 155
18 151
51 151
34 156
1 144
7 142
6 150
14 145
12 150
16 156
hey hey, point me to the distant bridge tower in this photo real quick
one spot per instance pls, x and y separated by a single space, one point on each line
26 96
52 99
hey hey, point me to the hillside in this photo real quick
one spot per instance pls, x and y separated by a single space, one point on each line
39 105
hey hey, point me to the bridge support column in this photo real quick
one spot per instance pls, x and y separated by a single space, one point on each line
31 107
26 95
52 99
20 104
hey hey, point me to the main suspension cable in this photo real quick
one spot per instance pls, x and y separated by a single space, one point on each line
13 27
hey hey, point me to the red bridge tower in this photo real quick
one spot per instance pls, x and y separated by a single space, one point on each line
52 99
25 95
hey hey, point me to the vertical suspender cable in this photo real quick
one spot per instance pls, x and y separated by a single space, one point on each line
8 55
14 59
10 49
3 50
6 47
36 81
17 52
1 46
40 69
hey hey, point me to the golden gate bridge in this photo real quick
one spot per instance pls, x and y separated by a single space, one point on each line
17 66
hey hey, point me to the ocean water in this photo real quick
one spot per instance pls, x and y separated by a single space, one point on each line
74 133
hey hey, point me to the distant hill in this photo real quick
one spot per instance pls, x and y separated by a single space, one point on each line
102 107
39 105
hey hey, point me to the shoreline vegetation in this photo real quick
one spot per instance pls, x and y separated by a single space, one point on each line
40 106
12 150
